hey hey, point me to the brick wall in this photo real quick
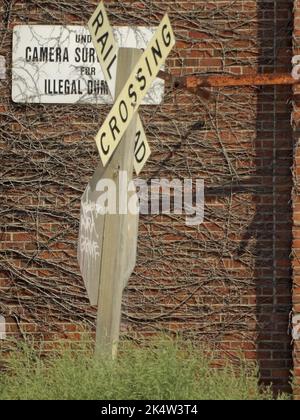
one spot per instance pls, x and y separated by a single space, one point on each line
296 201
227 283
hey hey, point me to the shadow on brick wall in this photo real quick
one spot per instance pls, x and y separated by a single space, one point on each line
272 225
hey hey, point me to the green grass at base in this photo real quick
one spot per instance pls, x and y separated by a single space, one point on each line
164 370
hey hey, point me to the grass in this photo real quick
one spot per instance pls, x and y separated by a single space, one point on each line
166 370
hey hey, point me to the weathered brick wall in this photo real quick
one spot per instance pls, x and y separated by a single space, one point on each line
296 214
227 282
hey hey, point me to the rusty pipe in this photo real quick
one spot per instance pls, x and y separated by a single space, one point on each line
195 84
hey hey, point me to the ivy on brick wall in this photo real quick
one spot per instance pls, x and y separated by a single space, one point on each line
208 281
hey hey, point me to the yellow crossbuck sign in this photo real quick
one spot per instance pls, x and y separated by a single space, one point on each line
136 87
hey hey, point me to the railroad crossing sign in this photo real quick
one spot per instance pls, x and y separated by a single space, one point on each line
137 85
108 241
107 52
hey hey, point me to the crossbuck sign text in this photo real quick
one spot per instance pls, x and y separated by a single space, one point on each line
138 84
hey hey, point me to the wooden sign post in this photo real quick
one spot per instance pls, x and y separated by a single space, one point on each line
122 145
115 234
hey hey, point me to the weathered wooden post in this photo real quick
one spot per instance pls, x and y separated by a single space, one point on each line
110 262
115 233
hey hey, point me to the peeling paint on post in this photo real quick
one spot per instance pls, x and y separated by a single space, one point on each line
2 68
2 328
296 327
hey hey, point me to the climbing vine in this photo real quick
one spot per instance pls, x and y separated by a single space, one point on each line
198 280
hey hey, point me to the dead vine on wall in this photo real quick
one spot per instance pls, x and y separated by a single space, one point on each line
196 280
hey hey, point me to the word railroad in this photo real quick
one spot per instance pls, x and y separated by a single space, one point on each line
137 85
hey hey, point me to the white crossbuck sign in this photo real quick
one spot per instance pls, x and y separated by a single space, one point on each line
107 243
